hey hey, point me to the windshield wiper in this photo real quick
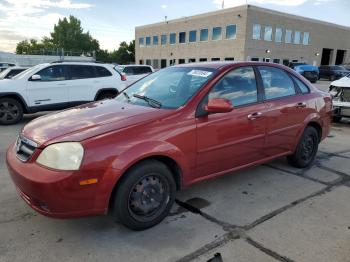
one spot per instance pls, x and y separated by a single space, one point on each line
150 101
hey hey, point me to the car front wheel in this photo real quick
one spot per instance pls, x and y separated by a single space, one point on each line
11 111
306 150
145 195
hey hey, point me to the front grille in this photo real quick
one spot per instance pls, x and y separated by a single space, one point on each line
310 74
25 148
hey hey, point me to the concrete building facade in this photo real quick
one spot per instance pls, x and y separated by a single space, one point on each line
242 33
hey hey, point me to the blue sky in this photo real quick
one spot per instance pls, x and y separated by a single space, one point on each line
112 21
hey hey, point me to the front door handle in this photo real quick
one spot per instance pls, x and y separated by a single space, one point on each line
301 105
254 115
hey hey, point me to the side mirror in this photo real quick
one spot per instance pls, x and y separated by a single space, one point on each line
218 105
35 78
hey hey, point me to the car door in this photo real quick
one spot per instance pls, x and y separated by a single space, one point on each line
50 90
83 84
230 140
285 111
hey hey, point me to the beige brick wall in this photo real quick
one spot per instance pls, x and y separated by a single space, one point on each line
322 35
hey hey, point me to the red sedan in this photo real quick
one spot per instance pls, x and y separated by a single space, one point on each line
171 129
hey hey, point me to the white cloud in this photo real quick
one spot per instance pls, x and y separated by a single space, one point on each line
164 6
232 3
31 18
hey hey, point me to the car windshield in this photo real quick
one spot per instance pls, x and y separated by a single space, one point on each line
4 73
26 72
168 88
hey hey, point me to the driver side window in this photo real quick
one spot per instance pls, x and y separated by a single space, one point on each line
52 73
239 86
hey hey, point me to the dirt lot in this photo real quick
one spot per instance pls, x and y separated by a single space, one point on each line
269 213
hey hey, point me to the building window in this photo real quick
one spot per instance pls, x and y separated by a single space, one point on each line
278 35
141 42
268 33
231 32
266 59
204 35
215 59
181 61
285 62
193 36
156 63
306 38
192 60
172 62
162 63
255 59
155 40
172 38
182 37
217 33
297 36
288 38
163 39
229 58
148 40
276 61
141 62
203 59
256 32
148 62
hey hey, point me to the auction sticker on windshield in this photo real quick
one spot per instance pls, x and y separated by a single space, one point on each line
200 73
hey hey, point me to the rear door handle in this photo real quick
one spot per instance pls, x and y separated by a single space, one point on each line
301 105
254 115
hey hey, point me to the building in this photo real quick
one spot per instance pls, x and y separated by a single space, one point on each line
242 33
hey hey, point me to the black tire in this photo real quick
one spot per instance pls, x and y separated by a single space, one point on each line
306 150
337 119
11 111
145 195
107 95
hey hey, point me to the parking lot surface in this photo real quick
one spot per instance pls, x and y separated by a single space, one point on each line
271 212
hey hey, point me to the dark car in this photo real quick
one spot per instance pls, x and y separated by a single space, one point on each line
333 72
310 72
346 66
11 72
172 129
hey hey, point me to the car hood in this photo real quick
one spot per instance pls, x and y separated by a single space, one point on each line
342 82
87 121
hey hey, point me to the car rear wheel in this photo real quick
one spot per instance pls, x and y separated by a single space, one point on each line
337 119
306 150
145 195
11 111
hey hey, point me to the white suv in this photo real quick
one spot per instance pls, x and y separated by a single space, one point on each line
135 72
56 86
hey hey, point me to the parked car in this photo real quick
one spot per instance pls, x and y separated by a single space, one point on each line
340 91
55 86
135 72
4 65
333 72
346 66
310 72
11 72
176 127
293 64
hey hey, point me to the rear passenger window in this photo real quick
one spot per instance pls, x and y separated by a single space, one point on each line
129 70
82 72
142 70
102 72
303 88
276 82
238 86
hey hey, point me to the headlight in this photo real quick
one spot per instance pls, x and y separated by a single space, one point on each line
62 156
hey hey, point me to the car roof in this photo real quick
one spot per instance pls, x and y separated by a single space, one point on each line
221 64
134 66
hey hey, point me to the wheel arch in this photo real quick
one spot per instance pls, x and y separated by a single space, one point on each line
318 128
17 97
104 90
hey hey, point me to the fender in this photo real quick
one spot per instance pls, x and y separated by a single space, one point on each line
20 97
104 90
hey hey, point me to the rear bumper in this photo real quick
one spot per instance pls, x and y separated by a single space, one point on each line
54 193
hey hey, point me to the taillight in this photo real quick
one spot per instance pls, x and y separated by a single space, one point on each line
123 77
